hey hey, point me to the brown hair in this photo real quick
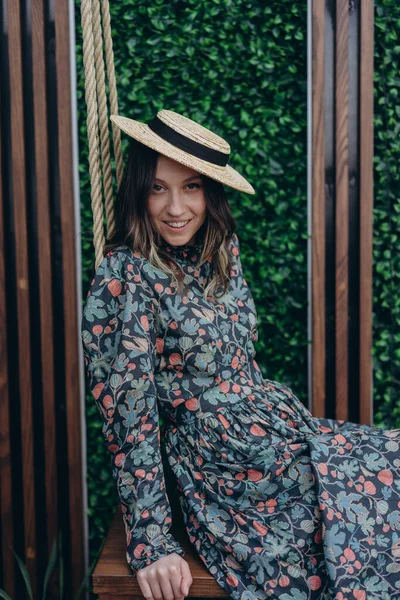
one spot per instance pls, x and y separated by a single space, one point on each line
134 229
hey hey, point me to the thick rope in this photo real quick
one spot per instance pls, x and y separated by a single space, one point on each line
103 114
105 8
92 130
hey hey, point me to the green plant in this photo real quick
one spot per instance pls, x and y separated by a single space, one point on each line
55 556
386 248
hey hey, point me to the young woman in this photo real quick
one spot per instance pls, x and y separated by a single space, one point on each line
277 503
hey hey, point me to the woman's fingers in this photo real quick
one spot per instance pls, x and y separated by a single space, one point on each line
176 583
165 575
169 578
187 579
144 585
154 582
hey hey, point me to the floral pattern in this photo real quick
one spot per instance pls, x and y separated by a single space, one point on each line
277 503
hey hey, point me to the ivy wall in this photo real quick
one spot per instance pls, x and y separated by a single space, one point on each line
386 257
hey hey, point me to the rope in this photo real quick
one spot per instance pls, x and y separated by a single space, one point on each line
102 110
98 119
92 129
105 8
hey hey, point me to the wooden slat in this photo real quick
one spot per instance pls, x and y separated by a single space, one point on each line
18 184
71 329
44 266
318 209
342 207
6 500
366 206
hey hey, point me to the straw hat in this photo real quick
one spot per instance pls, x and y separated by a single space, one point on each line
188 143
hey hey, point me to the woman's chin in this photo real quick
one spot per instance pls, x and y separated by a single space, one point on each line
177 240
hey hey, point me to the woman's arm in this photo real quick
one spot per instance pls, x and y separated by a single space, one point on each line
119 342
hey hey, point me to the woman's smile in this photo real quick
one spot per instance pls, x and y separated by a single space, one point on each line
177 225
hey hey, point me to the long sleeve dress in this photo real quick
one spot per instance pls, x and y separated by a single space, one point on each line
277 503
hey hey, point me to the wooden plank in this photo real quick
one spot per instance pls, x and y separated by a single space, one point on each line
18 184
318 209
366 206
71 328
44 267
342 207
6 500
112 576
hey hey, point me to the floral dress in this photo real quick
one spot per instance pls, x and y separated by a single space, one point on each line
276 502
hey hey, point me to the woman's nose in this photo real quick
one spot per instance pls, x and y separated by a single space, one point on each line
176 204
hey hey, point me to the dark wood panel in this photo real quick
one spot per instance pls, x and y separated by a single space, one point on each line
40 441
318 209
342 207
18 184
366 206
342 195
44 274
6 501
70 284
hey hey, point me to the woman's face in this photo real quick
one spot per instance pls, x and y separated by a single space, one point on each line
177 204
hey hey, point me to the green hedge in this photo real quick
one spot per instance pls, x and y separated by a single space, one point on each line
240 68
386 273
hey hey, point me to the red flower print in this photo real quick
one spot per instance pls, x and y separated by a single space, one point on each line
115 287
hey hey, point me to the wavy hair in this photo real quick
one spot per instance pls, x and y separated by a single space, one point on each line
133 226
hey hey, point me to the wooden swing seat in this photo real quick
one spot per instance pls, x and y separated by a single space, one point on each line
112 578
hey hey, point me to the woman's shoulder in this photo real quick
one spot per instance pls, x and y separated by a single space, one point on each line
121 252
121 274
120 259
131 269
234 244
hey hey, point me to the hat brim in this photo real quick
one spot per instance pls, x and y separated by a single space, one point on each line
142 132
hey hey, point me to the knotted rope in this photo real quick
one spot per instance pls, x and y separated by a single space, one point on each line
96 34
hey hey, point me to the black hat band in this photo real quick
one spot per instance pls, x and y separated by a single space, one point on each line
183 143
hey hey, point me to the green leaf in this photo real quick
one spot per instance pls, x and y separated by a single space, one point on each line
25 575
50 568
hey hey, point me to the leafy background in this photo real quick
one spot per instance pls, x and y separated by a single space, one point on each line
240 68
386 250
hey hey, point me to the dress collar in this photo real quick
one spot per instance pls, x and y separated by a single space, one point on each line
191 252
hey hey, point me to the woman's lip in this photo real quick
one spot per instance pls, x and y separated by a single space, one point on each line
177 228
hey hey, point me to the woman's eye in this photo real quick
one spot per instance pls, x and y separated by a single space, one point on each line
158 188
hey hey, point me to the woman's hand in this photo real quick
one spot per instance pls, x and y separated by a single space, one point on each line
168 578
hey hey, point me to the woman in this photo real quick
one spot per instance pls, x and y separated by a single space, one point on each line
277 503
